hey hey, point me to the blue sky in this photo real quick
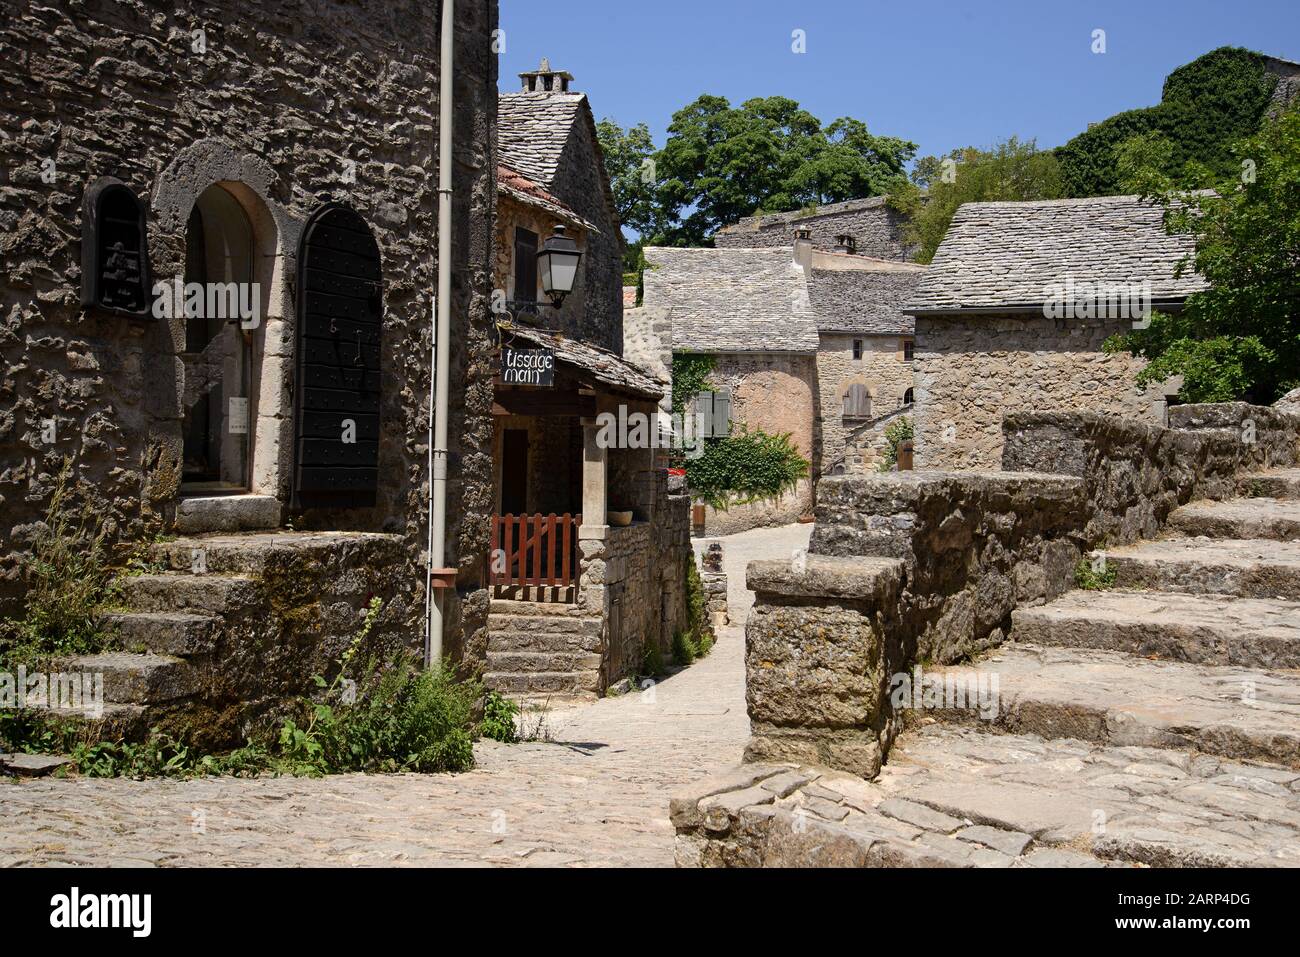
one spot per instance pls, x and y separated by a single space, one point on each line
942 74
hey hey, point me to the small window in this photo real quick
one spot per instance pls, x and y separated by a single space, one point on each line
714 414
857 348
114 250
908 397
909 347
525 265
857 402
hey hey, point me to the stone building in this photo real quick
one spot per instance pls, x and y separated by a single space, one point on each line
589 548
869 225
149 150
808 341
1013 312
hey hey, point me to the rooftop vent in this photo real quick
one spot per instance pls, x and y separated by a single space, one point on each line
845 243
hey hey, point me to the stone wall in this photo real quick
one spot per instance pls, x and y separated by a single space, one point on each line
881 369
970 371
876 228
714 582
974 547
784 509
927 567
635 578
647 341
1135 473
276 104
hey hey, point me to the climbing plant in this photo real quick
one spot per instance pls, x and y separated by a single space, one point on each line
896 433
747 467
691 371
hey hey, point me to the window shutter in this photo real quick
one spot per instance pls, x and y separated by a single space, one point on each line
702 412
857 403
722 413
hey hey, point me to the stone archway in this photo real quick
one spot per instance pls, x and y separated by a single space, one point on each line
256 238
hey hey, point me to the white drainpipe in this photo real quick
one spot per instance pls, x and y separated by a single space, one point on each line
441 346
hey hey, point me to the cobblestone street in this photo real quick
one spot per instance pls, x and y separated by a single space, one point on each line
596 795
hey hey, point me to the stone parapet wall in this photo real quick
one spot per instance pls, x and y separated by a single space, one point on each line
974 545
1136 473
819 650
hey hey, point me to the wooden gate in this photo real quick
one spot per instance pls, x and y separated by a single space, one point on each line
535 550
340 312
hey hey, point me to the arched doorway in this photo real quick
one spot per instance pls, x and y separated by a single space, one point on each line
222 314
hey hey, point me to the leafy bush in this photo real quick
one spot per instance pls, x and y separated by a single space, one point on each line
691 373
498 722
700 630
652 660
68 578
896 433
746 467
684 651
1092 579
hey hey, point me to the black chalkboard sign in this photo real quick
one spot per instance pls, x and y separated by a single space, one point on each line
527 366
114 250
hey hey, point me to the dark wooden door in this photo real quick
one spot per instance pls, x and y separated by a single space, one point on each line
514 472
340 312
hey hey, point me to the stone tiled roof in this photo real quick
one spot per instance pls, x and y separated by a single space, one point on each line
732 300
522 189
604 367
869 302
1010 254
532 130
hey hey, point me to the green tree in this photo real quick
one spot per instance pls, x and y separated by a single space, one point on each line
723 163
629 161
1011 170
1240 338
1205 107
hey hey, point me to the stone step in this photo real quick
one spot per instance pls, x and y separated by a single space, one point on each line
535 609
1272 518
543 682
251 553
179 591
135 679
529 662
1277 483
1212 630
116 722
1245 568
547 642
1117 699
227 513
566 625
172 633
957 797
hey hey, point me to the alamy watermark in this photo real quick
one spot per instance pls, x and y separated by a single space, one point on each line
964 690
79 691
658 430
1101 299
233 301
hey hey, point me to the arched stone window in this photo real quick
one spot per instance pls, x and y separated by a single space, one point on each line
114 250
908 397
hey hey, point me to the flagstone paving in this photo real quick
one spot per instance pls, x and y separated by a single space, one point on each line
597 794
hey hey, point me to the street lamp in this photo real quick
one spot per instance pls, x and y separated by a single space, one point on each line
557 261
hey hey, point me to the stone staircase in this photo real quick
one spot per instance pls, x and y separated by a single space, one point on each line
538 651
1155 722
192 635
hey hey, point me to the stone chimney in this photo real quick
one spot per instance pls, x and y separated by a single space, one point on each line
803 249
546 80
845 243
